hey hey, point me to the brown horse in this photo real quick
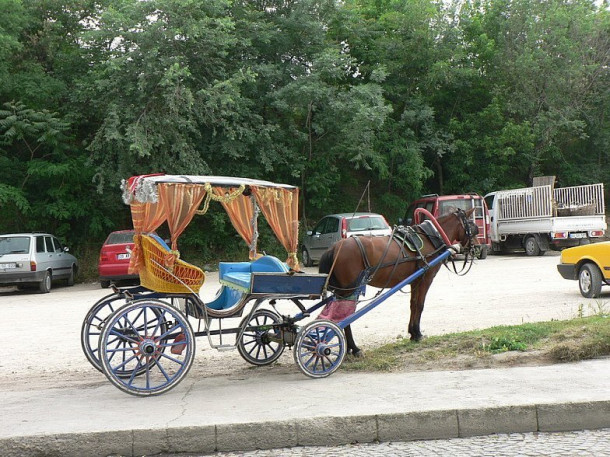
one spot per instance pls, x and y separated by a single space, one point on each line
384 261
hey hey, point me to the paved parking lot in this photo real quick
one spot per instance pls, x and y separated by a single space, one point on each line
41 332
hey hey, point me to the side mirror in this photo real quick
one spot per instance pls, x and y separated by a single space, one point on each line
66 249
400 221
409 221
309 232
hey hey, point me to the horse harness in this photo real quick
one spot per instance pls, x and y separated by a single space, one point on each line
408 239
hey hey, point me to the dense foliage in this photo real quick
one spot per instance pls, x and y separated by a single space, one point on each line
413 96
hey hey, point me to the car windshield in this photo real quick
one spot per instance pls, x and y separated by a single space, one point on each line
366 223
14 245
120 238
446 206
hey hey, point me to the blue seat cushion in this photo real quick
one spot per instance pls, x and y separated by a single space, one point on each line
238 280
237 274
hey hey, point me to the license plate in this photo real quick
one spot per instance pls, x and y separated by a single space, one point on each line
578 235
7 266
123 256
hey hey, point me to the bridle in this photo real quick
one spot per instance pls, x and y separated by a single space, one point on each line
471 231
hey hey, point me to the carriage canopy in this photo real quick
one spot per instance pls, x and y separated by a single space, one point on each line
158 198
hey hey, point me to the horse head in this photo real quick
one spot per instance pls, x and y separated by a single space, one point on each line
459 227
467 230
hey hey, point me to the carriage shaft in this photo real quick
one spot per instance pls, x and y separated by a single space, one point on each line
381 298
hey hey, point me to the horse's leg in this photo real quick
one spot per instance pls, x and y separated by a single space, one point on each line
419 289
351 344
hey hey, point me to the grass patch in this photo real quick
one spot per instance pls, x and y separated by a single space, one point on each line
543 342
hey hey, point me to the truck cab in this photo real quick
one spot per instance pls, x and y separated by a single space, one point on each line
439 205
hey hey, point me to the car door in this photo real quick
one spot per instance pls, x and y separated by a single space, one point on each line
315 250
61 261
322 236
45 253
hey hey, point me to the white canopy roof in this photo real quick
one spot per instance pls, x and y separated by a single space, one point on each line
142 188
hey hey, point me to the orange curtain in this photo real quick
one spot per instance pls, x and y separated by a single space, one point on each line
179 202
146 217
281 207
241 213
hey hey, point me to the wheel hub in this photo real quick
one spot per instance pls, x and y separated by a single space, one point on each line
148 347
585 281
323 350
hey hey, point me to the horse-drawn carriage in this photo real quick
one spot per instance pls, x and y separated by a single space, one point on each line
141 337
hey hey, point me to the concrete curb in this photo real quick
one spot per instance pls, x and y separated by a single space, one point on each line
324 431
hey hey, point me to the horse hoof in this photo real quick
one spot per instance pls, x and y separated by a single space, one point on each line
358 354
417 338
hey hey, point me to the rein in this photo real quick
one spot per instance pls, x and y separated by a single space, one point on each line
469 255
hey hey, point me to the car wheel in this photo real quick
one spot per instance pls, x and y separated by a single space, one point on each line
306 258
70 280
531 246
105 284
45 285
590 281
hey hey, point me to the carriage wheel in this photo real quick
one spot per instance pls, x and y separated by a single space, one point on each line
92 328
94 323
261 342
148 338
320 348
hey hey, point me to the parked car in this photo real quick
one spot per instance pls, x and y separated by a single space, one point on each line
334 227
114 258
589 264
35 259
439 205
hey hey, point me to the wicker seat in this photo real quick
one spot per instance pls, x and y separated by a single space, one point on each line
156 276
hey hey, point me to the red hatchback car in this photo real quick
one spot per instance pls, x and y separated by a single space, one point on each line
114 258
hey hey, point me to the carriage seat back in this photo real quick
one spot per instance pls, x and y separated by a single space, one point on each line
182 277
237 274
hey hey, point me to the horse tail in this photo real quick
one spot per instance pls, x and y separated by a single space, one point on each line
326 261
325 265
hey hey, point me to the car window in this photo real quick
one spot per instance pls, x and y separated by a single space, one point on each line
14 245
409 213
49 244
332 225
319 229
429 205
377 223
490 202
445 206
366 223
120 238
58 246
40 244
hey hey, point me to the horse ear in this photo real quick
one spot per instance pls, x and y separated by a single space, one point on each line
469 212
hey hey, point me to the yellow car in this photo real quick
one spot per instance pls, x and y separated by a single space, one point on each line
590 264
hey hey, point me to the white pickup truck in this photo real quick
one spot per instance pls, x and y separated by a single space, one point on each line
540 218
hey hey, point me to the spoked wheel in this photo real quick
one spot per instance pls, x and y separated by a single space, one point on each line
94 322
151 340
320 348
260 343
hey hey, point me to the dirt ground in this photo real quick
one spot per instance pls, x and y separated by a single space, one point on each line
40 333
